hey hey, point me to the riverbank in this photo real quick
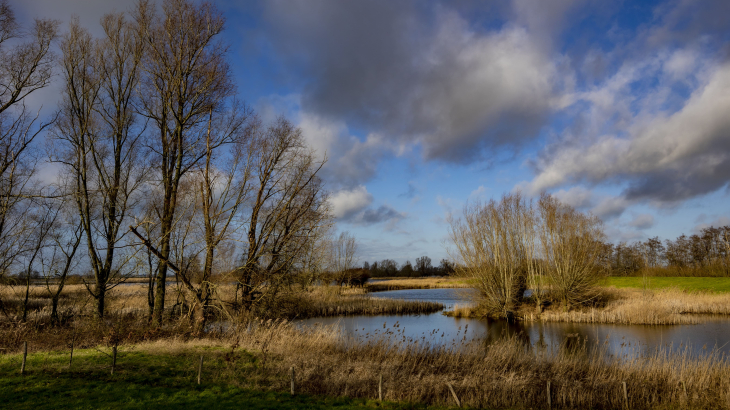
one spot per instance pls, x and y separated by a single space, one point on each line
254 361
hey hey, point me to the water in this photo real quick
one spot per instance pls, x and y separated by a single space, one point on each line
437 329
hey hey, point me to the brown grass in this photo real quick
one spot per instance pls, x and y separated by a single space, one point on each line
332 301
627 306
506 374
417 283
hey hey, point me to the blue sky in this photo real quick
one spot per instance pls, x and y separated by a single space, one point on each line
619 108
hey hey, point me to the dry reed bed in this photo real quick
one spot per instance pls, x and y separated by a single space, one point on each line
367 306
503 375
421 283
643 307
131 300
627 307
334 301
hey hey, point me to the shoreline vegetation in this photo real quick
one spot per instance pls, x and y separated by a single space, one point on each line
387 284
251 358
259 355
628 305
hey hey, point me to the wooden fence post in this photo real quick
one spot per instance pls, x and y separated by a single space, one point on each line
291 369
626 395
200 369
453 393
71 358
550 404
380 388
114 358
25 355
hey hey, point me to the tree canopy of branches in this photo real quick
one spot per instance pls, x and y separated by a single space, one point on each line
288 207
504 246
26 65
100 138
185 78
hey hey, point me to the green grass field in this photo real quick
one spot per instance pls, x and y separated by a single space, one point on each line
149 381
690 284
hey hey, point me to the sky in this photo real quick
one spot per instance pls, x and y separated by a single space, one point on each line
618 108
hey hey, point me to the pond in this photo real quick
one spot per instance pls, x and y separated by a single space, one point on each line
437 329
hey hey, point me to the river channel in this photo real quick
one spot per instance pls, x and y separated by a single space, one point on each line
616 340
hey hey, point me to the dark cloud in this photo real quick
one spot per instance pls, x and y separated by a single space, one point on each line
384 213
88 12
417 73
659 151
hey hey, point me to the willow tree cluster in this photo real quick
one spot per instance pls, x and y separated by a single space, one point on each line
508 246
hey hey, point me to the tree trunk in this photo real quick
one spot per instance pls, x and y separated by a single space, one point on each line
100 300
54 309
27 296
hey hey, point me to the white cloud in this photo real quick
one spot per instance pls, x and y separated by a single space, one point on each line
346 203
664 157
478 193
577 197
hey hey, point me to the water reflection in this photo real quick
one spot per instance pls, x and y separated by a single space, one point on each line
615 340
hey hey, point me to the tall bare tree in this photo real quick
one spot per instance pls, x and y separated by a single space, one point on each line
25 67
186 78
100 136
220 185
287 208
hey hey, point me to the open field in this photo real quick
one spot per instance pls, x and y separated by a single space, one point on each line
258 357
383 284
690 284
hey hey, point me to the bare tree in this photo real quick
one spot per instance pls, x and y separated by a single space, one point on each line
316 261
344 251
25 67
287 208
59 257
490 244
571 244
43 216
186 78
100 136
220 190
423 265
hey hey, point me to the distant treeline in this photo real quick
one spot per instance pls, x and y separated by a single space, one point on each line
704 254
422 267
